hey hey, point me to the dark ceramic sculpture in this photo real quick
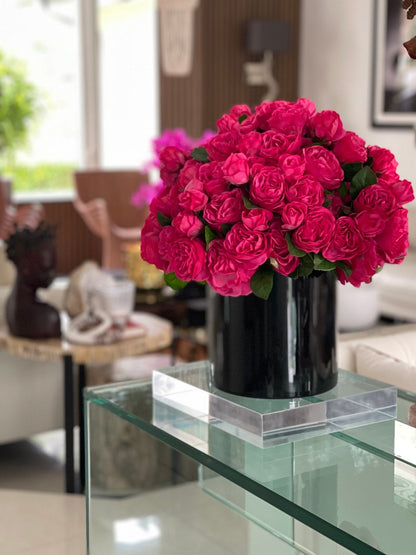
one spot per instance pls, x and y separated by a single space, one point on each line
33 252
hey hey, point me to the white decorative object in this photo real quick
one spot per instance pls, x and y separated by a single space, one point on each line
261 73
177 35
357 307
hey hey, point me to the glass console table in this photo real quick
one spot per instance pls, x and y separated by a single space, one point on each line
162 481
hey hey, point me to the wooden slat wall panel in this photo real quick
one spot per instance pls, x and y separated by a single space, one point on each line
75 242
217 80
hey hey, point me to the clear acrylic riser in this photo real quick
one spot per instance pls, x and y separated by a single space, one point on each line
187 390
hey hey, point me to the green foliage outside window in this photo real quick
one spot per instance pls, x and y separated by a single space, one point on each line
18 106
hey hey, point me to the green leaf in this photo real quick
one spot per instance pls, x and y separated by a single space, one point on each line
209 235
362 179
242 118
305 268
200 154
343 190
292 249
248 204
261 282
344 267
174 282
162 219
226 228
351 169
322 264
304 271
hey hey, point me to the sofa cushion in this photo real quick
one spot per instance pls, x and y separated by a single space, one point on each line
397 341
376 364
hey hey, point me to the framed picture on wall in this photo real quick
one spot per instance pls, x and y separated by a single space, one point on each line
394 77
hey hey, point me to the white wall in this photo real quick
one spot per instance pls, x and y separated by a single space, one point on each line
336 72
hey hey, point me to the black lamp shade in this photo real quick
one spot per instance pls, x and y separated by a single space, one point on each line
272 35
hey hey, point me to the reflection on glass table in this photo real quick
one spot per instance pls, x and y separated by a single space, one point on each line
193 487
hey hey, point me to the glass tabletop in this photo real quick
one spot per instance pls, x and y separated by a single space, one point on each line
357 487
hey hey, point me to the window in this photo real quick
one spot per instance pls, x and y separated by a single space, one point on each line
46 36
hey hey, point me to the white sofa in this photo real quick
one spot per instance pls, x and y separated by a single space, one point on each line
386 353
31 392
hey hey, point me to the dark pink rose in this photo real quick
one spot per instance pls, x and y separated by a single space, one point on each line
220 146
327 126
293 214
172 158
216 187
375 198
169 178
363 266
335 204
268 188
227 123
239 110
324 166
257 164
281 259
226 275
307 190
263 113
187 222
210 171
256 218
384 161
193 197
274 144
212 177
393 242
249 124
150 242
291 117
235 169
224 208
250 248
346 241
403 191
250 143
186 257
293 166
351 148
188 172
166 202
370 223
316 231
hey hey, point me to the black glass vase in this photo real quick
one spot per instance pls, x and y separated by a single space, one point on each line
280 348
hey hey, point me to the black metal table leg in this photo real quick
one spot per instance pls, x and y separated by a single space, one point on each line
81 385
69 424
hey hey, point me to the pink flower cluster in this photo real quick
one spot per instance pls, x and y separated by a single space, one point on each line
281 189
170 137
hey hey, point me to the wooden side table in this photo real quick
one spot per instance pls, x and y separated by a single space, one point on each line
159 336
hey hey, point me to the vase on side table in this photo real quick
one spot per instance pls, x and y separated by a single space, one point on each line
280 348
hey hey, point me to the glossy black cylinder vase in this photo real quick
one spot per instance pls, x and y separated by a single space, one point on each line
280 348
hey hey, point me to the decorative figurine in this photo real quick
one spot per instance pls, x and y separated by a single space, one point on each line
33 252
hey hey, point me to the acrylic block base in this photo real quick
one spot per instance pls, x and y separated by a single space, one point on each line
354 401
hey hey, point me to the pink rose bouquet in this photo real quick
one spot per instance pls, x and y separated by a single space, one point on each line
281 189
